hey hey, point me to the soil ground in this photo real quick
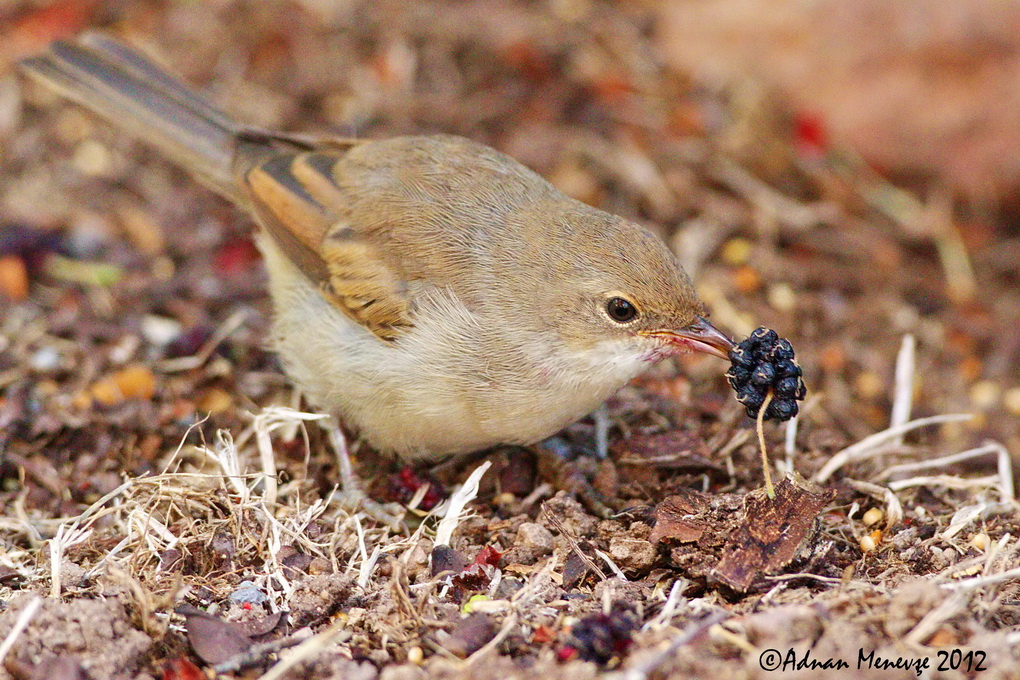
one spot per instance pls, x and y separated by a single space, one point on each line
140 408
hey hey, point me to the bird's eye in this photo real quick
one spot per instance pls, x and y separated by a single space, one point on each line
621 310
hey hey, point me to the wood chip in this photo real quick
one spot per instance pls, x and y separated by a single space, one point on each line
770 535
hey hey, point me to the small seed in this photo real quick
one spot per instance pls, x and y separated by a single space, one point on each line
736 251
1011 400
873 517
980 541
985 394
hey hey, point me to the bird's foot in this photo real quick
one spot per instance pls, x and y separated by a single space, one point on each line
351 496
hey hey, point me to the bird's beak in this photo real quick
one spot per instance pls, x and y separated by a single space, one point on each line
700 336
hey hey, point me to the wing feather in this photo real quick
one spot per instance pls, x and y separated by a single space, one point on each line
298 203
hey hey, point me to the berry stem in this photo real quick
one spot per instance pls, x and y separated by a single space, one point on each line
769 489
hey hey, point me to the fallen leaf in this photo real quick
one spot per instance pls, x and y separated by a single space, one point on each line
182 668
213 639
470 635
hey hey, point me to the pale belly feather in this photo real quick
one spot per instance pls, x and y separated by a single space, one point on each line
433 392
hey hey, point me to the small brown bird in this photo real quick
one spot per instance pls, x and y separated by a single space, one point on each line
433 293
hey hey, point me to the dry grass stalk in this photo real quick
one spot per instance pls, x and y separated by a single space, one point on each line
903 392
20 624
456 504
869 446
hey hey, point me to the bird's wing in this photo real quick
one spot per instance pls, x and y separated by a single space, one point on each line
297 201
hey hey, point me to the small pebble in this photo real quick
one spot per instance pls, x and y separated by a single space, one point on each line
10 104
91 158
504 500
576 182
88 236
746 279
535 537
943 637
135 382
632 554
163 268
159 330
214 400
74 125
132 382
13 278
832 358
248 593
736 251
125 349
868 385
44 360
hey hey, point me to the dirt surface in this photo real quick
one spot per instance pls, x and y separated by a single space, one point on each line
140 412
863 68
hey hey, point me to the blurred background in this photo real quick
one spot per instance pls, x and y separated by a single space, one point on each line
843 172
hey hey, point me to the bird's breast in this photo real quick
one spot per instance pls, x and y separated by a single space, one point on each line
457 382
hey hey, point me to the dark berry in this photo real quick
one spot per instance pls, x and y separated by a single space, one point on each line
764 337
781 409
751 398
403 485
782 350
741 357
738 375
787 387
602 637
787 368
763 375
765 363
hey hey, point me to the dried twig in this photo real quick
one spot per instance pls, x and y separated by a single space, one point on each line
612 565
1003 461
893 507
456 504
668 611
190 363
306 650
20 624
646 669
867 446
903 394
256 654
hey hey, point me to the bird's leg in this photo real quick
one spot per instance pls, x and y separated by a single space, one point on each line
351 496
602 423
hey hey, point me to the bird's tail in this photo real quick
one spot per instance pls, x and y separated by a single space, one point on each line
131 91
